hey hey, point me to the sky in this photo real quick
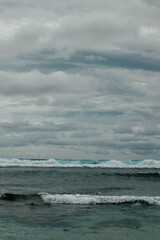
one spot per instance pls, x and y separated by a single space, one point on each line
80 79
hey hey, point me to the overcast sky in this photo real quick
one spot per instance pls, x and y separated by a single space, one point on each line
80 79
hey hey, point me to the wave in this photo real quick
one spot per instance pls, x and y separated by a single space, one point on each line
81 199
4 195
147 175
14 162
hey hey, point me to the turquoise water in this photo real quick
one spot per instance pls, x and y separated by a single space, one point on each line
79 202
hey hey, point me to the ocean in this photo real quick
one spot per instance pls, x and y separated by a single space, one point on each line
44 199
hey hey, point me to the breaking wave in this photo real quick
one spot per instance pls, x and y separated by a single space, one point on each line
97 199
79 199
13 162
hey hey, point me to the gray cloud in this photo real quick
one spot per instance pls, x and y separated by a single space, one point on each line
68 27
35 83
80 79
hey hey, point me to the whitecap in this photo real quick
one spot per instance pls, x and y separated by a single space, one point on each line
83 199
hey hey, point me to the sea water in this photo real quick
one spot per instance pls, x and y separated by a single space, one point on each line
79 199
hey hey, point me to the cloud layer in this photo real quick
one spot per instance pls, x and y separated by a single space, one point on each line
80 79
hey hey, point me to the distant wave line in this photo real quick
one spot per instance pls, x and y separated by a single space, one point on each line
14 162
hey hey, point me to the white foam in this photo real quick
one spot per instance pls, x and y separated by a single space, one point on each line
3 192
95 199
14 162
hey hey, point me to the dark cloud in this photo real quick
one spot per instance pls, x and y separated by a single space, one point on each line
25 126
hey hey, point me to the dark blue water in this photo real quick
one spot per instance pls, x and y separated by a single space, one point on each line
79 202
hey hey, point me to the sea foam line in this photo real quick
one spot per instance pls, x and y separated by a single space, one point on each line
13 162
82 199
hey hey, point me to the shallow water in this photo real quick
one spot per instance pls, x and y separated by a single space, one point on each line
79 203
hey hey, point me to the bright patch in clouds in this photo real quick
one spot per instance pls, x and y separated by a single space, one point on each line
146 30
7 28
